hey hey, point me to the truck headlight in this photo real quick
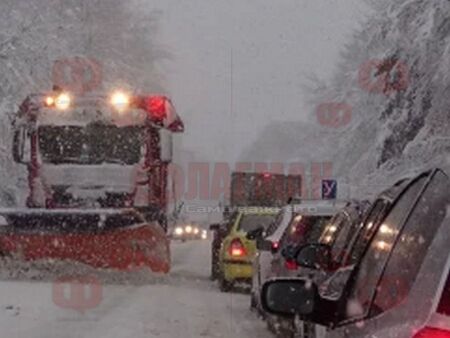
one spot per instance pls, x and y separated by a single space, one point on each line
62 101
120 101
179 231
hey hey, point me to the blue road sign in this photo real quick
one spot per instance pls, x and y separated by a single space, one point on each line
329 189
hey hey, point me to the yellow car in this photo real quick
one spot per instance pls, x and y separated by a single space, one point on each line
237 251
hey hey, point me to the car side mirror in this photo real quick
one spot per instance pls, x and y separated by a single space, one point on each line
289 297
21 147
314 256
255 234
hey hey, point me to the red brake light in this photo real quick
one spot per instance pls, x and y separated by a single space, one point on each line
156 106
267 175
275 246
429 332
236 248
290 264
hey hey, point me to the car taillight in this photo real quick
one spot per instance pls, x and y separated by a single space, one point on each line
429 332
236 248
290 264
275 246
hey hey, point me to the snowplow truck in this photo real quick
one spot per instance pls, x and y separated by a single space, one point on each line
97 170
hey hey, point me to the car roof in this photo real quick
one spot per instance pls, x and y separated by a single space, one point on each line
319 207
307 208
285 221
396 190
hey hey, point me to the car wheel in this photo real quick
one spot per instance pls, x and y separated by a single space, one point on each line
213 276
271 325
253 302
224 285
309 330
274 326
306 330
215 269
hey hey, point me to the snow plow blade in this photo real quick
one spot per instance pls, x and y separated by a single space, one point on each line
107 239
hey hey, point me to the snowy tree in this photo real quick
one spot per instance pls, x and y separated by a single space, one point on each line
34 34
395 75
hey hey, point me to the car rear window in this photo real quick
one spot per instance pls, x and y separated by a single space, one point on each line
275 224
252 222
306 229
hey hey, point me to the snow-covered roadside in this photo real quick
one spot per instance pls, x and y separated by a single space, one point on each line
183 304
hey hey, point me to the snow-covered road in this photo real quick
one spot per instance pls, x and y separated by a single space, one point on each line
184 304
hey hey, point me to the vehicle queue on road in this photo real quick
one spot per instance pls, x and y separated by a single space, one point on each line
329 268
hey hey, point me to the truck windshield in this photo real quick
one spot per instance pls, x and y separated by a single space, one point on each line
92 144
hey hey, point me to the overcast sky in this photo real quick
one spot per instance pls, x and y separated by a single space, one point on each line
274 45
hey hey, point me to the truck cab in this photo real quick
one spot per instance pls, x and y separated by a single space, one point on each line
96 151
